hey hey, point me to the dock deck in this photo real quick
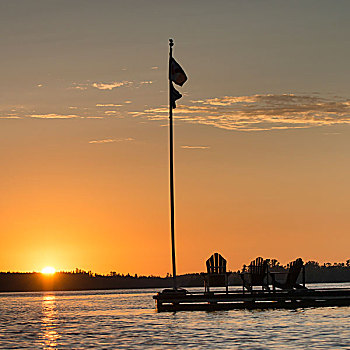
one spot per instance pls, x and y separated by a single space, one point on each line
183 300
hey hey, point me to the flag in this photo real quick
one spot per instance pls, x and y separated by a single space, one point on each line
174 95
177 74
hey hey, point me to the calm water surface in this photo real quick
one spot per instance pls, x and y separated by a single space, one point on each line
128 320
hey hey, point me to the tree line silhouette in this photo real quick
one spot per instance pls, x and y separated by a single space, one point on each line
87 280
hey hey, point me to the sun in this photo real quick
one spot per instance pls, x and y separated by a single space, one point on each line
48 270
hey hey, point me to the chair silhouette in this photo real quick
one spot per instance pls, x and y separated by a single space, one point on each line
216 275
290 282
256 274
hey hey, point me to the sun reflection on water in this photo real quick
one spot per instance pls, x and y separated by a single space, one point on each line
49 321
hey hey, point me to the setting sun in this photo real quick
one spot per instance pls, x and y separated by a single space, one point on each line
48 270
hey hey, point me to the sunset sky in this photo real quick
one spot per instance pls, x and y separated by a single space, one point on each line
262 133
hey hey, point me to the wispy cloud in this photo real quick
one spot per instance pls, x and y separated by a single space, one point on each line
54 116
113 113
259 112
77 86
107 105
112 140
111 85
195 147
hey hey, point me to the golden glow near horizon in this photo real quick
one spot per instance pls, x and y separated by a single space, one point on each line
261 134
48 270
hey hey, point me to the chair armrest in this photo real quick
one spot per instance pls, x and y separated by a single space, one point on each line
242 274
274 273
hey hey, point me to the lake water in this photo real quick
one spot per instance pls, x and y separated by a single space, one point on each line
126 319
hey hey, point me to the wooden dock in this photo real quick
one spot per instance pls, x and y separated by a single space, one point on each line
183 300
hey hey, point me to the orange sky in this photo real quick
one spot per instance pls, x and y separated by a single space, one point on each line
261 136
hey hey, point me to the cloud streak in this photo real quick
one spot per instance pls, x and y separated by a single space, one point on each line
259 112
111 85
54 116
108 105
195 147
111 140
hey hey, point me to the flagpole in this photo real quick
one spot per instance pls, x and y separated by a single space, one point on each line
171 168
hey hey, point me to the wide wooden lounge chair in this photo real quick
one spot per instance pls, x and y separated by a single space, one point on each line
256 274
216 275
290 282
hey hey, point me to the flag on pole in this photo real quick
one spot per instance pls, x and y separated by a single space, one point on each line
174 94
177 74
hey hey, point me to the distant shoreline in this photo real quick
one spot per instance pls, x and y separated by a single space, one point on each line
81 280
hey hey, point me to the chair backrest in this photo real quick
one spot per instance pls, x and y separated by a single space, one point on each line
258 270
294 271
216 264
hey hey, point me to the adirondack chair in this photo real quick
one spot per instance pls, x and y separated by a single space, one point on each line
292 275
216 275
256 274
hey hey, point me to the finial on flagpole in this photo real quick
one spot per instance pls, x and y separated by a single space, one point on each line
171 42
